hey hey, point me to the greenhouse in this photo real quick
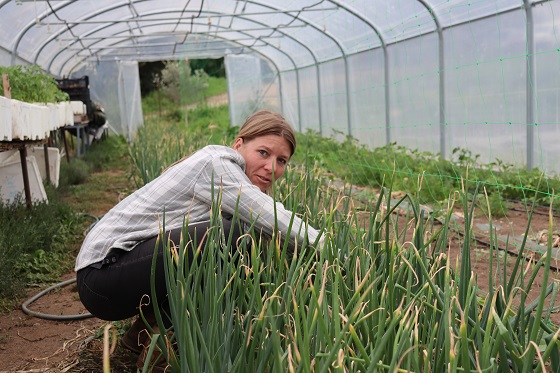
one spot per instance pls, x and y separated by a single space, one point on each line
429 75
428 135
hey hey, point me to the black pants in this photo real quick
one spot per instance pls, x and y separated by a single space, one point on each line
114 291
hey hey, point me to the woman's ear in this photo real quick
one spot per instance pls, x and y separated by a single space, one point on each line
238 142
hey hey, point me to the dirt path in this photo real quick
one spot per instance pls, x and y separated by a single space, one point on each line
37 344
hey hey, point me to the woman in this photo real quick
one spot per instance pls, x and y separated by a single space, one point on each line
114 262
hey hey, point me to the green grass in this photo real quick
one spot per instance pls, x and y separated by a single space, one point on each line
34 244
216 86
39 244
157 103
108 154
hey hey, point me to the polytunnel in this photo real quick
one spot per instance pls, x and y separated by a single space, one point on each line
431 75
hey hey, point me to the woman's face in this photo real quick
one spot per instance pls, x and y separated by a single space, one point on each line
266 158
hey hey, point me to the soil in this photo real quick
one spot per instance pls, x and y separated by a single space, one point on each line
34 344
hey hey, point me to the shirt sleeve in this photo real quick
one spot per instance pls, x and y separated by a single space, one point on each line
252 205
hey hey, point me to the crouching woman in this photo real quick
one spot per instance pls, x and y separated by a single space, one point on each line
114 263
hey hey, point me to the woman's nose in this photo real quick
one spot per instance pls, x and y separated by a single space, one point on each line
269 166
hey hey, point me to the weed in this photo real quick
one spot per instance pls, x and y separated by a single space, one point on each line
38 244
106 154
423 174
34 243
74 172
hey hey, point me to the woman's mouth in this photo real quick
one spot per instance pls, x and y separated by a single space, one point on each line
263 179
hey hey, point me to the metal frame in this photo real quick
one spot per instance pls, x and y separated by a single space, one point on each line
228 40
441 69
138 20
531 83
266 57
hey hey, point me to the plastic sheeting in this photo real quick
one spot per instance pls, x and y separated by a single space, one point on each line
116 86
426 74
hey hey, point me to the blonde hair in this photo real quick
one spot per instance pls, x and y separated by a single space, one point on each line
266 122
262 123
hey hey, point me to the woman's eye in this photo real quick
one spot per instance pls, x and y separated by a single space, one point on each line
282 161
262 152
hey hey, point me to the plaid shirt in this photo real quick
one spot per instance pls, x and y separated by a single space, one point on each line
185 191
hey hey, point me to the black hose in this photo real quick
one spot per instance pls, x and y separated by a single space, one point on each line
548 209
26 304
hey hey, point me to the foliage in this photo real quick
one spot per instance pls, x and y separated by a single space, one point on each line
160 103
216 86
32 84
33 243
181 84
149 71
214 67
100 156
423 174
106 154
74 172
157 103
367 301
161 142
37 245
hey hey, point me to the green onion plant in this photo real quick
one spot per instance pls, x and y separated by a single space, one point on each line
382 293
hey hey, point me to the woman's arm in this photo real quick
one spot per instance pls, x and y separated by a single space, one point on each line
239 196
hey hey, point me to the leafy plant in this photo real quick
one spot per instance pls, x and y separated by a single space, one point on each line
404 168
31 84
33 243
181 84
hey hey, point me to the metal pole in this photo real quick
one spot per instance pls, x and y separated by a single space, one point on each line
229 91
298 100
66 150
348 108
319 100
531 84
280 92
387 100
47 163
26 187
441 68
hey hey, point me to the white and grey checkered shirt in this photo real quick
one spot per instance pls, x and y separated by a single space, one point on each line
185 191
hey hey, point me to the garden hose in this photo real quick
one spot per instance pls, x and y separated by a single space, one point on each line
26 304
